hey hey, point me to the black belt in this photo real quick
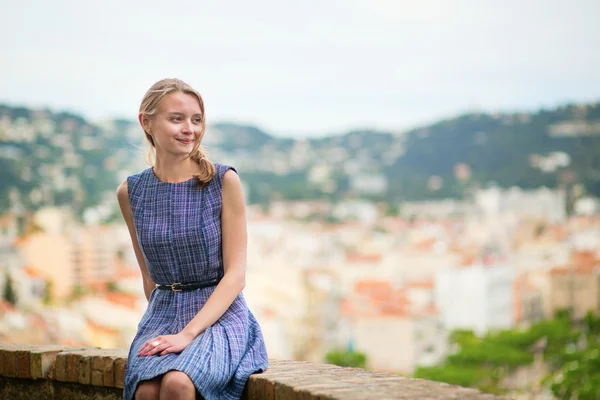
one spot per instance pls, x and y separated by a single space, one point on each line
179 287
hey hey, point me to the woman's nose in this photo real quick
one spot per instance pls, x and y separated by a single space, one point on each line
188 127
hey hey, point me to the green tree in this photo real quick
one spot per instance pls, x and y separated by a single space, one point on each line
577 364
47 299
578 378
464 338
77 292
346 358
392 209
454 374
112 286
491 354
9 294
571 350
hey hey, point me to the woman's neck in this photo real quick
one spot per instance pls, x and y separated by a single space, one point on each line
174 170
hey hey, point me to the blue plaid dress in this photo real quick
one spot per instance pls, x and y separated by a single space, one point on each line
178 226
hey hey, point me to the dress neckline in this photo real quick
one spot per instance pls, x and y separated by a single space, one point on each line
169 183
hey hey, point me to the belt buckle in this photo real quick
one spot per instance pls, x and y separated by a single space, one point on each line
174 285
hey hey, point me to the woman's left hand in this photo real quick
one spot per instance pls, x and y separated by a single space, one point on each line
162 345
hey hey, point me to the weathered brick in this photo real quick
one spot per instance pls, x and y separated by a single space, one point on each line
60 367
97 378
1 361
85 369
120 365
41 362
109 373
23 369
285 391
9 357
99 362
5 347
102 370
259 387
73 367
285 380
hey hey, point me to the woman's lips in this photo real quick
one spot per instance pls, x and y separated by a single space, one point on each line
185 141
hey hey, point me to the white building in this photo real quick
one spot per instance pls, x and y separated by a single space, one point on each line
363 211
543 203
369 183
435 208
399 343
587 206
479 297
395 333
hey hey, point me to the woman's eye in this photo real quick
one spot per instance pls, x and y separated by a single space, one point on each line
197 120
176 119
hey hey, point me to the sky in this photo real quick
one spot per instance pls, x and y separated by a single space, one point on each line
303 68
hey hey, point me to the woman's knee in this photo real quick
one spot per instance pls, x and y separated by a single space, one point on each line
148 390
177 382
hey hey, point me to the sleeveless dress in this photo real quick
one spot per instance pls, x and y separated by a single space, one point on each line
178 226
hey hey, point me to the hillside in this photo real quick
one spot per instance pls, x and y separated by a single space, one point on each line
60 158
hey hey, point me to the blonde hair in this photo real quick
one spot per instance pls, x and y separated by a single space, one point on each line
148 107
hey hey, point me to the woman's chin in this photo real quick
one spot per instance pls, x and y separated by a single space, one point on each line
179 152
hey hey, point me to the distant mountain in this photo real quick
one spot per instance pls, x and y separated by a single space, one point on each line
51 158
550 148
547 148
58 158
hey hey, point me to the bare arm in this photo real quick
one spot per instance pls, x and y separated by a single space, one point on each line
234 237
123 198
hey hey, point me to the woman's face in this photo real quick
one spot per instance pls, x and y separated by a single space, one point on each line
177 123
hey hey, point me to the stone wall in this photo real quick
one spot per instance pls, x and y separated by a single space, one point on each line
75 373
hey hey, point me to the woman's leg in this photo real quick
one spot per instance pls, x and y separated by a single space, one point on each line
148 390
176 385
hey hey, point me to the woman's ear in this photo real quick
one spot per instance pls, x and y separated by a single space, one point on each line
144 122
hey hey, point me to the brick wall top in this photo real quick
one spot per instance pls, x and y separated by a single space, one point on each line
103 369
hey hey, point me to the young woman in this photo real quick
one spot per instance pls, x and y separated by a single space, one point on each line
186 218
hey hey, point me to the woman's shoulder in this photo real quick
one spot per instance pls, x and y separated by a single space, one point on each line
220 174
221 166
132 181
221 169
230 190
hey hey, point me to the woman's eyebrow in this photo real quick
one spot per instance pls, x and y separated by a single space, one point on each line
180 113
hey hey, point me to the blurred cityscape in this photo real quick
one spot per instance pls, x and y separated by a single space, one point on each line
372 242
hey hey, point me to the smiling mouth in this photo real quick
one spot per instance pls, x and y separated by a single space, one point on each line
185 141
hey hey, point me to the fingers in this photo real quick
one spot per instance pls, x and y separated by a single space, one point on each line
153 346
148 346
161 345
158 349
144 349
166 351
